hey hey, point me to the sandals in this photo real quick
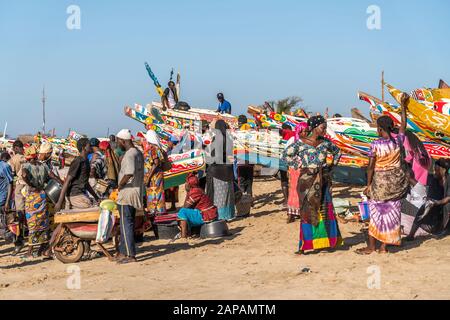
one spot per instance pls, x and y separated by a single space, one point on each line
364 251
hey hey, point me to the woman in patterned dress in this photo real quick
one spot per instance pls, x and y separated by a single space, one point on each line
387 185
293 204
154 174
318 226
36 175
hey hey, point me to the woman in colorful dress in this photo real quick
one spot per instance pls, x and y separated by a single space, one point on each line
387 185
220 175
35 174
154 174
318 225
293 204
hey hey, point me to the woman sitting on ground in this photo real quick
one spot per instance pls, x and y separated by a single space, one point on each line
434 220
198 208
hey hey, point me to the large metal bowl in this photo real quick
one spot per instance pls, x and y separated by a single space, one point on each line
215 229
53 190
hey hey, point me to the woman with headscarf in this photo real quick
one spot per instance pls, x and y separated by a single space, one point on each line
387 185
35 174
318 225
198 208
293 204
111 163
220 175
154 174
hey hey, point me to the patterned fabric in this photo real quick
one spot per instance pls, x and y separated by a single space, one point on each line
37 217
326 234
223 197
389 185
385 221
99 166
156 201
386 152
293 199
300 154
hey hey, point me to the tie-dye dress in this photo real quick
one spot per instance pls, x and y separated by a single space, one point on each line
319 228
156 201
389 186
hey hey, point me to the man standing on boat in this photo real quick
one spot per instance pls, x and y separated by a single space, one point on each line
170 98
224 105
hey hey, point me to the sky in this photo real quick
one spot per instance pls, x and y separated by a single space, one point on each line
250 50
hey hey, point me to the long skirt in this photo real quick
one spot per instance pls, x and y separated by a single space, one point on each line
385 221
293 199
156 200
37 217
222 194
326 233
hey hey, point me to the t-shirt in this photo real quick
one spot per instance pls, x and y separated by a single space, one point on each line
79 170
224 107
171 99
6 178
386 152
132 193
16 163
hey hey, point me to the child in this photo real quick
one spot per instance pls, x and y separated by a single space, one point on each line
198 208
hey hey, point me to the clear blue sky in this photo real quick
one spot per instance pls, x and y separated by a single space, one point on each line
250 50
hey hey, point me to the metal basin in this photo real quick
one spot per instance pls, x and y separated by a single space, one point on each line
215 229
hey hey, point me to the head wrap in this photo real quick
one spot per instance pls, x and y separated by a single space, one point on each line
300 128
315 121
192 180
94 142
31 152
152 138
104 145
124 134
46 148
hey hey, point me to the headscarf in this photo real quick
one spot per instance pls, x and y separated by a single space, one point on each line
192 180
31 152
46 148
300 128
315 121
104 145
94 142
152 138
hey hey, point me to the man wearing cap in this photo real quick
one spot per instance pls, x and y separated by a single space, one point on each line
224 105
130 197
76 186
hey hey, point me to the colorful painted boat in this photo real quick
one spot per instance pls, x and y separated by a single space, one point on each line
182 165
439 122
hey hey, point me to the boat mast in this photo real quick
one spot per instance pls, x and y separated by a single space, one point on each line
43 110
382 85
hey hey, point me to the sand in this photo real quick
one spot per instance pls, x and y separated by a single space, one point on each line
256 262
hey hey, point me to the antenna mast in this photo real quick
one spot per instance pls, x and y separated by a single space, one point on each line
43 110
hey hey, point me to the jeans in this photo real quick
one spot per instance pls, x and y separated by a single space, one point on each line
127 217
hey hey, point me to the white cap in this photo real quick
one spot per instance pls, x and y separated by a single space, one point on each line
152 138
124 134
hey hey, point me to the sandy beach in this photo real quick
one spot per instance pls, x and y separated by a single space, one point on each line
256 262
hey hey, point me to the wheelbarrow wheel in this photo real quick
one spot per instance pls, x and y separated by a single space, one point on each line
70 249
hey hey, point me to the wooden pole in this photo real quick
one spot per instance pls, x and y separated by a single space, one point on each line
382 85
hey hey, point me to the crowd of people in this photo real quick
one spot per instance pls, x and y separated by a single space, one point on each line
403 196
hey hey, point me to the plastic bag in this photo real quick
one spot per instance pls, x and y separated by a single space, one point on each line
105 225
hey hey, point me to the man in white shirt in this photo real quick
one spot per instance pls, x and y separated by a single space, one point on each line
131 193
170 98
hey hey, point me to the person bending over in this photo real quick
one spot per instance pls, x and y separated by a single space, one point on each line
198 208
